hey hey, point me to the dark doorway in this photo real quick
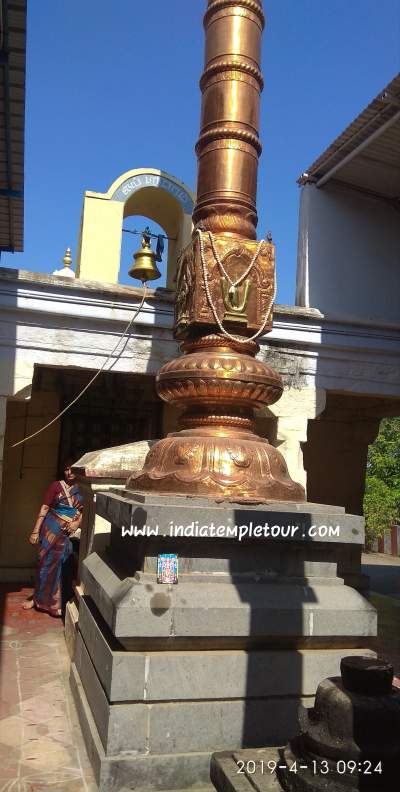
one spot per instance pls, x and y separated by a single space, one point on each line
116 409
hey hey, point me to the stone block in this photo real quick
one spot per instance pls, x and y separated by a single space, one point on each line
71 626
144 773
207 725
184 726
159 513
146 609
245 771
213 674
122 674
120 728
220 560
166 675
116 462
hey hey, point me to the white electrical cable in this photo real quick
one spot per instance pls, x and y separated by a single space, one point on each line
125 333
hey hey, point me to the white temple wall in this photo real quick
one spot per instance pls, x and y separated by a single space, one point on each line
348 254
46 321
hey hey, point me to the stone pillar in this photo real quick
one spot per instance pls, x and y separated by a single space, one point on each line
293 411
335 459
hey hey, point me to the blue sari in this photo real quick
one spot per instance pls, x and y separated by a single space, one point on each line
55 549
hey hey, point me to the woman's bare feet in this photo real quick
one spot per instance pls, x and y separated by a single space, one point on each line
28 604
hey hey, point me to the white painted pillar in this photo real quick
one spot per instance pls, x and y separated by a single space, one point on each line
293 411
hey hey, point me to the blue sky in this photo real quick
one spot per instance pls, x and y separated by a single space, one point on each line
114 86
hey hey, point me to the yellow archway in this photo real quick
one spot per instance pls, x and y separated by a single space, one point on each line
143 191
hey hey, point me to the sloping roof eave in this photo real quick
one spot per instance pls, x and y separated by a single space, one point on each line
380 121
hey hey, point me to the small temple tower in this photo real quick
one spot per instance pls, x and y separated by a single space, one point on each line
141 191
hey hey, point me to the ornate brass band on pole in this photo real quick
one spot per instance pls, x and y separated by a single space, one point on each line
225 292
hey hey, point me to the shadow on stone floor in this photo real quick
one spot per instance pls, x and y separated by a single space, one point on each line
41 747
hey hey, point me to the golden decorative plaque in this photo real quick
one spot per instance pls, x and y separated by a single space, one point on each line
253 295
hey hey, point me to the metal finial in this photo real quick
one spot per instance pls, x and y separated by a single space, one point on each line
67 260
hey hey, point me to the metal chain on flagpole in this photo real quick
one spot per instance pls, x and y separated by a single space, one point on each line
238 339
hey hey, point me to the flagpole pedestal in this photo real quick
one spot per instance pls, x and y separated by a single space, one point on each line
165 675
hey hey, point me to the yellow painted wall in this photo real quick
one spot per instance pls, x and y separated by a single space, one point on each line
28 470
99 247
100 243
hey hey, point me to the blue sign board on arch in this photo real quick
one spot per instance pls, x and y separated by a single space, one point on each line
142 180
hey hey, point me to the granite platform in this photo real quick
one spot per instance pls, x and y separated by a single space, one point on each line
165 675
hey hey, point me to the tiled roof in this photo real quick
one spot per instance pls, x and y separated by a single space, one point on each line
12 122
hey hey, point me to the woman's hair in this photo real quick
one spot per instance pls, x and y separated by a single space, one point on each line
63 466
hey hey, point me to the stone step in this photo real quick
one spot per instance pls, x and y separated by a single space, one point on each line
245 771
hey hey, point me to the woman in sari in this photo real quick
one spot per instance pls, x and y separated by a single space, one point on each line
59 518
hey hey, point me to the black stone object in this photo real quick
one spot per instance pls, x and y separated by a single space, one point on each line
350 739
366 676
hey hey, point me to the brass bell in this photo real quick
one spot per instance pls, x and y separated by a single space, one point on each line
145 267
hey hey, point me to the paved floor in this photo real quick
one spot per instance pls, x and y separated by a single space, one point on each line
384 573
41 747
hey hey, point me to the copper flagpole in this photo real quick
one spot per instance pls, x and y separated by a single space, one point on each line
225 292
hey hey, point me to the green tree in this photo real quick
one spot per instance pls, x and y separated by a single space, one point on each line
382 485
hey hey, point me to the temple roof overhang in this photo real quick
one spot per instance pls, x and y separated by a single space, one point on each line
366 156
12 123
